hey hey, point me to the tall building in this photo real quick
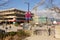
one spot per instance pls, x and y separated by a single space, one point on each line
12 15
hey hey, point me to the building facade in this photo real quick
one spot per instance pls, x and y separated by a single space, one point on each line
12 15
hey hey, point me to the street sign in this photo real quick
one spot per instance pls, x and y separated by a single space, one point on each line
28 15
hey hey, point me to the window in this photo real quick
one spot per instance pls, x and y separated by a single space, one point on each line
20 18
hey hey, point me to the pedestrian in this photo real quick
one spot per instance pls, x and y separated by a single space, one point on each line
49 31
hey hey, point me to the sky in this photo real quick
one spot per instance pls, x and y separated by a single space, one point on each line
20 4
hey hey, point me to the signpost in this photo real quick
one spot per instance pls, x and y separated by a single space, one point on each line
28 16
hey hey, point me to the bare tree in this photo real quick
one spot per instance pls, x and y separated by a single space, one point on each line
38 4
2 4
49 4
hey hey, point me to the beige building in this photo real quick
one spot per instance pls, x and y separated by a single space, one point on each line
36 19
12 15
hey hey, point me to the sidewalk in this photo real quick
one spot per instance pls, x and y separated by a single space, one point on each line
38 37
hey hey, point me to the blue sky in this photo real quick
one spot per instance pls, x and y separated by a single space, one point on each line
19 4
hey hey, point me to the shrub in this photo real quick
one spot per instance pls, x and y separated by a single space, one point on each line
11 33
16 24
23 33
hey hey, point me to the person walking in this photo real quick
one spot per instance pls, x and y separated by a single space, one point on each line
49 31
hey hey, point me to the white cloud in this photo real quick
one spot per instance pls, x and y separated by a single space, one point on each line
48 13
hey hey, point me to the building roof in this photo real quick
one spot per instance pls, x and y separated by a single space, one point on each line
11 9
